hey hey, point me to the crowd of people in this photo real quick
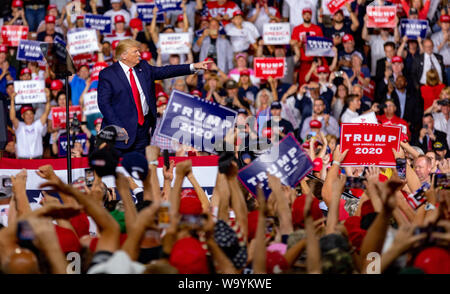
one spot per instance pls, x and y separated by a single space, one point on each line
396 222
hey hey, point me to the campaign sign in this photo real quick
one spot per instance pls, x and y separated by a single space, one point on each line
277 33
12 34
60 41
30 92
319 46
90 103
98 22
82 41
29 50
269 67
413 28
369 144
145 12
196 122
381 16
96 69
286 160
59 115
174 43
335 5
62 144
80 59
168 5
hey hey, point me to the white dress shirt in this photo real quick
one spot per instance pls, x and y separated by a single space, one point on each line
427 66
144 104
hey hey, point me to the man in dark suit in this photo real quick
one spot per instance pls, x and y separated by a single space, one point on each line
429 135
409 105
126 94
426 61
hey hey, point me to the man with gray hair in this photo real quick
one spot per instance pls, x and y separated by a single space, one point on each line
126 94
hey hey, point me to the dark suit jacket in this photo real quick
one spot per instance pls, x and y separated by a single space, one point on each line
115 98
440 137
413 112
417 68
379 76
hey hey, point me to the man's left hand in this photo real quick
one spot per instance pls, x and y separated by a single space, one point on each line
202 65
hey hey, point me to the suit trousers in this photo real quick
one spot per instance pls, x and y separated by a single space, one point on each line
142 138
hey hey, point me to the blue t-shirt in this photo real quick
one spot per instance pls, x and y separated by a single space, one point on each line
77 85
12 72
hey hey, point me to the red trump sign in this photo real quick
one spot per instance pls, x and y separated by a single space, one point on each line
335 5
381 16
369 144
269 67
59 115
11 35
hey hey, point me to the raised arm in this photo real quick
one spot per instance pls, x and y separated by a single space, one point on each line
237 199
19 182
12 112
130 209
44 116
282 207
333 211
313 262
259 259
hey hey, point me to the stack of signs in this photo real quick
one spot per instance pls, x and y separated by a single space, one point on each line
30 92
413 28
266 67
319 46
381 16
29 50
175 43
369 144
98 22
286 160
11 35
145 12
59 115
90 103
277 33
82 41
196 122
62 144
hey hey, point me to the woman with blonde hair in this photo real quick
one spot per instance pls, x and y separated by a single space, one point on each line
212 89
432 89
262 107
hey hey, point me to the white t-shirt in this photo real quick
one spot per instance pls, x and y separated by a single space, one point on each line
377 50
263 18
29 139
437 39
293 9
111 13
241 39
348 115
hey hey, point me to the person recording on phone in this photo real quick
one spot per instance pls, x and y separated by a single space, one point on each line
429 135
126 94
329 123
17 16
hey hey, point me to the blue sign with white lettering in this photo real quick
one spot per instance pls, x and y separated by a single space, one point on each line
319 46
98 22
286 160
413 28
145 12
29 50
169 5
196 122
62 144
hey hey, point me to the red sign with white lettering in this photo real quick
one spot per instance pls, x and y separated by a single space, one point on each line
269 67
335 5
381 16
59 115
11 35
369 144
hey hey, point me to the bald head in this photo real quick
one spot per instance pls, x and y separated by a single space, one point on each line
22 261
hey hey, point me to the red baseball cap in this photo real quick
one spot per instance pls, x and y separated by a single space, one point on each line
189 202
433 260
52 6
397 59
355 233
196 92
50 19
275 262
238 12
68 241
322 69
161 93
307 10
315 124
189 257
136 23
17 3
161 102
80 17
347 38
146 55
180 18
3 48
245 72
25 108
317 164
56 85
119 18
98 121
299 205
444 18
209 59
114 44
25 70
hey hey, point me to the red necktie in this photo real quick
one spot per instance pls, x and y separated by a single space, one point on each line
137 98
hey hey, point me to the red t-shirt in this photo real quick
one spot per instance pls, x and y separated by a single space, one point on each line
300 33
430 93
395 120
